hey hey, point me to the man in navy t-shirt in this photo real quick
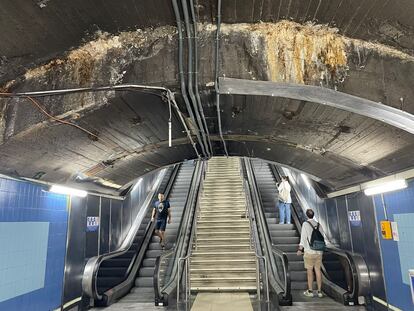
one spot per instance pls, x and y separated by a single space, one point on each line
162 209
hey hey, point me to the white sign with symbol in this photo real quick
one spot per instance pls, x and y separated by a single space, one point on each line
92 223
355 218
395 235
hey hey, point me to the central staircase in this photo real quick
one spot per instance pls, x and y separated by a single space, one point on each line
223 260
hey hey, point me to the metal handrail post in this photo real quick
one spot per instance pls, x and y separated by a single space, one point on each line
267 279
178 280
186 279
258 278
189 278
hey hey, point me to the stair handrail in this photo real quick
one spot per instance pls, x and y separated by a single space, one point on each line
90 273
359 268
254 234
161 294
192 244
284 292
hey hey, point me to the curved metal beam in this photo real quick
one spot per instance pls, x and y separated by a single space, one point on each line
324 96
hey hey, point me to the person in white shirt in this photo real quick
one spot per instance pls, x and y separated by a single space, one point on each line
285 200
311 258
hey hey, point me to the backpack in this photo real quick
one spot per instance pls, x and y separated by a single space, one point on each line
317 241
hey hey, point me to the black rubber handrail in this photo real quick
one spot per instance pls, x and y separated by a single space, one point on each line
284 293
161 294
358 266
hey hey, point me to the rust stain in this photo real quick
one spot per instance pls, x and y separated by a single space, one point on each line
303 53
84 64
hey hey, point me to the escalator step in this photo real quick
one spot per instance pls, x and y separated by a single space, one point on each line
152 253
146 271
286 240
287 247
144 281
283 233
299 285
298 276
148 262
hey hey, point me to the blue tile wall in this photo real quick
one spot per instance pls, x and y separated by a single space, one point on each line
23 202
397 256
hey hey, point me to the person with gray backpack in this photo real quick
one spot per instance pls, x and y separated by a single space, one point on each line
312 245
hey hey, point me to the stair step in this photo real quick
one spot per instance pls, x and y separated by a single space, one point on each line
248 288
224 278
216 260
230 239
226 269
205 247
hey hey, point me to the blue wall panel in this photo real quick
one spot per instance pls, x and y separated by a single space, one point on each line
22 205
399 205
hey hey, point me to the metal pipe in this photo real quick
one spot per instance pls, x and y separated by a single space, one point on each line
196 74
181 72
121 87
190 60
216 75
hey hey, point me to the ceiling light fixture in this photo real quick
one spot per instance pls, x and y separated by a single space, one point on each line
386 187
68 191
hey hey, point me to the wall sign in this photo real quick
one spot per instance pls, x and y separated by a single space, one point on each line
355 218
92 223
395 234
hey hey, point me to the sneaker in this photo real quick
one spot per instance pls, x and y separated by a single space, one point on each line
308 293
320 294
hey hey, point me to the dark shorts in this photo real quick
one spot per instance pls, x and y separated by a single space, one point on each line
161 224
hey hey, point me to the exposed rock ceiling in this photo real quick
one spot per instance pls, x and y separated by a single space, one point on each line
363 48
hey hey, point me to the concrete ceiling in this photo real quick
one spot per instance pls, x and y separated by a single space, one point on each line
363 48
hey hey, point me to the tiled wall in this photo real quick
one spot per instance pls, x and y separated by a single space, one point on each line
398 256
33 226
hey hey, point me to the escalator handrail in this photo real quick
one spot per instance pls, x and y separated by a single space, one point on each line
90 274
286 287
177 249
359 268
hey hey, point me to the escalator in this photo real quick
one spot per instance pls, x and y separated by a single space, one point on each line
111 276
144 283
113 270
345 288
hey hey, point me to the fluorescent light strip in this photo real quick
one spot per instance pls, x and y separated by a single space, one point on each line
384 303
68 191
386 187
